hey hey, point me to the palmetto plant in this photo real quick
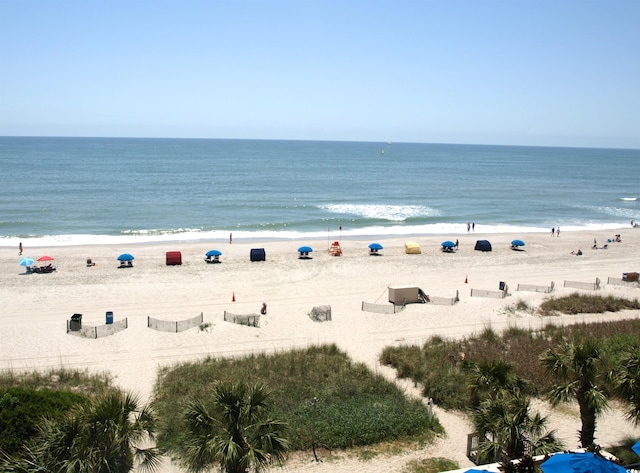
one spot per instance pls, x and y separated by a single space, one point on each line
501 415
578 368
508 430
627 382
233 430
107 435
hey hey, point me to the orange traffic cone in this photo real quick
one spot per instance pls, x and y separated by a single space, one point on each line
233 298
466 279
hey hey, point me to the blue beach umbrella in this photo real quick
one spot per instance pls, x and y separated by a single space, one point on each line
214 253
580 463
125 257
636 447
26 262
305 249
448 244
375 246
517 243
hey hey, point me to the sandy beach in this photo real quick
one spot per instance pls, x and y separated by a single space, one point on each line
36 307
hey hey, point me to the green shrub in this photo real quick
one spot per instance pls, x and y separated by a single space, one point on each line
21 410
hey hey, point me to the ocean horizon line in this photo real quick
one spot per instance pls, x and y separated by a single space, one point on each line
318 140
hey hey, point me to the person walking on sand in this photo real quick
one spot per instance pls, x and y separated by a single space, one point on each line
553 231
558 231
230 237
20 249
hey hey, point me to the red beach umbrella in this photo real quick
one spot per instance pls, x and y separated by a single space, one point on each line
45 258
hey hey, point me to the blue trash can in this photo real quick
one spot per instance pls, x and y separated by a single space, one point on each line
109 317
501 286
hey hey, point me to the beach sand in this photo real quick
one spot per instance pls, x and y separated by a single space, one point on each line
36 307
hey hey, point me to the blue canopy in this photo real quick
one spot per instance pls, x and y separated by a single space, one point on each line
448 244
375 246
580 463
125 257
636 447
517 243
305 249
213 253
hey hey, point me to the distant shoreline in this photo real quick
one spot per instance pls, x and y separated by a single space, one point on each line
218 239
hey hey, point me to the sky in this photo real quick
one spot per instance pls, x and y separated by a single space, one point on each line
512 72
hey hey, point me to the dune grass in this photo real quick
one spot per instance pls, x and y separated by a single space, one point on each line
441 366
577 303
323 396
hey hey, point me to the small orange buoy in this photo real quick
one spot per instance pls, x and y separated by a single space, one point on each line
233 298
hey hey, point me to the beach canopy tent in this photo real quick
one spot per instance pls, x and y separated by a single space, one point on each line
304 252
483 245
174 258
374 248
412 248
213 256
517 243
257 254
583 462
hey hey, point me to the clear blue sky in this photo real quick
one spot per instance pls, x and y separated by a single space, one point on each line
543 72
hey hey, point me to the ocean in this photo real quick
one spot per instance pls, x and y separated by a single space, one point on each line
72 191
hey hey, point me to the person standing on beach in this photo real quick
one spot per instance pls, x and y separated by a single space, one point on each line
230 237
20 249
553 231
558 231
473 226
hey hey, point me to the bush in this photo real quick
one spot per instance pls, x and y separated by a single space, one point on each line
21 410
354 406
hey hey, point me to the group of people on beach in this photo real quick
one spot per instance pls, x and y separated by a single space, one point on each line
555 231
616 239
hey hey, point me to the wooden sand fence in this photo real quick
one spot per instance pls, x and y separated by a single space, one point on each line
381 308
534 288
252 320
174 326
444 300
583 285
99 331
495 294
622 282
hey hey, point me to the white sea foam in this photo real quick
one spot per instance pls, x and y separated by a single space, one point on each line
394 213
629 199
219 237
